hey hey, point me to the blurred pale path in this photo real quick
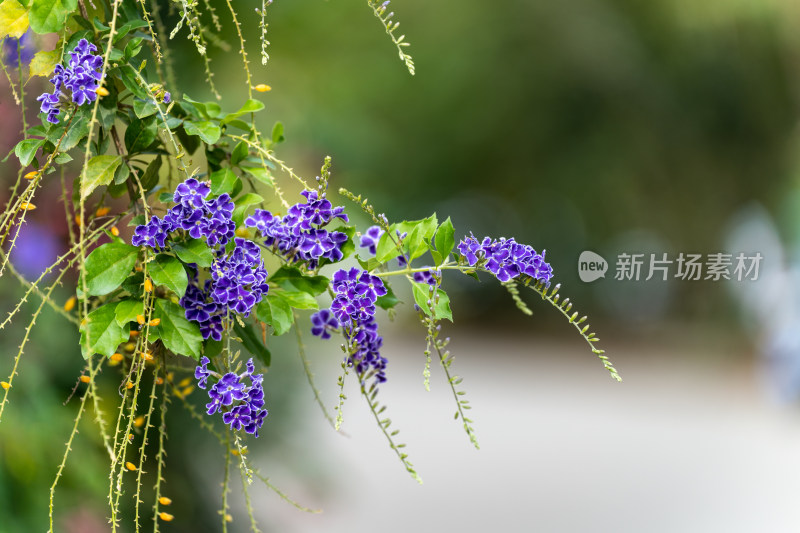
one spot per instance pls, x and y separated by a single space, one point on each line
687 443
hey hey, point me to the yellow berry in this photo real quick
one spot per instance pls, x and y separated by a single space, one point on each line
184 382
130 466
70 304
116 357
155 322
78 219
166 517
114 231
140 319
262 88
147 356
86 379
30 175
101 91
242 232
5 384
130 347
102 211
134 333
130 436
148 286
164 500
129 385
228 518
139 422
187 391
159 380
27 206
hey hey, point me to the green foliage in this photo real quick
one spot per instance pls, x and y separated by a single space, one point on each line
102 334
194 251
424 299
169 272
108 266
178 334
99 171
49 16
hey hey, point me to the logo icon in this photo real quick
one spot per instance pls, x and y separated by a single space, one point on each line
591 267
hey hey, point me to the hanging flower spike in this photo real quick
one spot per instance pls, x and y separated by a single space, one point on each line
506 259
246 403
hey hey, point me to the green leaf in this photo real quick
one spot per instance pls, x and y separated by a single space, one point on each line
129 79
276 312
241 151
150 177
261 174
43 63
99 171
291 277
140 134
388 300
169 272
178 334
194 251
26 150
133 284
103 331
445 240
122 173
206 130
253 344
243 204
277 133
127 310
421 296
223 181
250 106
295 298
13 19
420 234
50 16
108 266
76 133
144 107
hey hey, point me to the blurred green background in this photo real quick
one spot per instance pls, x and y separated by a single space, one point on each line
604 125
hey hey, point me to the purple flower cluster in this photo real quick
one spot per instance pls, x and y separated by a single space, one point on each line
355 294
238 282
16 49
246 403
199 217
506 258
299 235
80 77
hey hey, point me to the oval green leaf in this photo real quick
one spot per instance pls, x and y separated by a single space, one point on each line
169 272
178 334
101 333
99 171
108 266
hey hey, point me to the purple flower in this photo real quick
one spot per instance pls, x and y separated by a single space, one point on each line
370 239
16 49
153 234
167 98
323 322
201 373
353 309
81 77
506 259
299 235
246 402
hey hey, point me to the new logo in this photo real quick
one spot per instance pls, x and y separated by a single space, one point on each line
591 266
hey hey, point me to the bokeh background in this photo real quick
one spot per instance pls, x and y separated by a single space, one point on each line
604 125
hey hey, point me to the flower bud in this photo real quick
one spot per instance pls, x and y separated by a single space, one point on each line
101 91
148 286
114 231
130 466
30 175
85 379
140 319
164 500
102 211
70 304
5 384
262 88
166 517
155 322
